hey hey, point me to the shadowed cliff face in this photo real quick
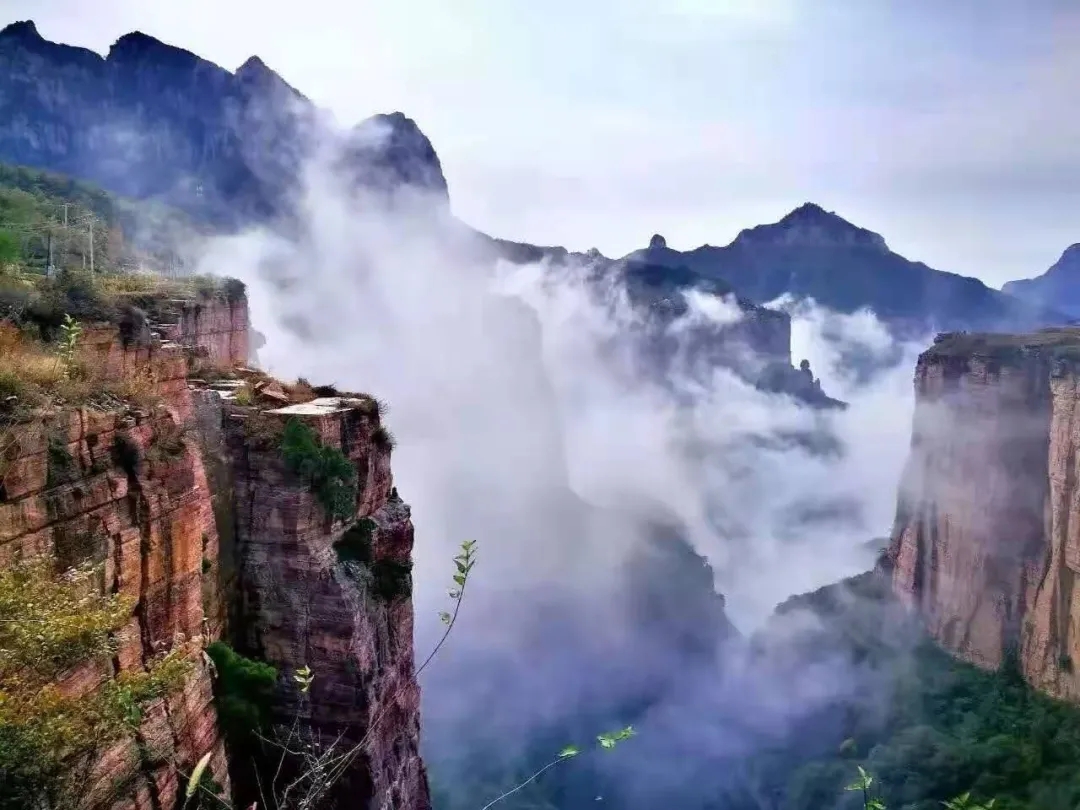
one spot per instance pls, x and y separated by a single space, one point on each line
150 120
985 542
1058 287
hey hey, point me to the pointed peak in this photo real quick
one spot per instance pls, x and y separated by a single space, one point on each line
810 210
253 64
657 242
24 30
810 225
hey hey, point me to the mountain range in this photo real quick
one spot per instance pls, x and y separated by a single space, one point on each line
153 121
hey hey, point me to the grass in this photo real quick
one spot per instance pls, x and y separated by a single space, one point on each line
35 375
38 302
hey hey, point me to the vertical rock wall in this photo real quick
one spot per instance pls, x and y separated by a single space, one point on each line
126 488
986 544
332 595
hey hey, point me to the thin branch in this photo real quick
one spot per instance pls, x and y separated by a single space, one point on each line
532 778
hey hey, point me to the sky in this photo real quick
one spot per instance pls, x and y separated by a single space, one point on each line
949 128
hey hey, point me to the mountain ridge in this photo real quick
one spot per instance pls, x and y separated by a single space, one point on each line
1060 284
153 120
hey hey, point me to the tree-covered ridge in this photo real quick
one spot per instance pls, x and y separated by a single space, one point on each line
79 225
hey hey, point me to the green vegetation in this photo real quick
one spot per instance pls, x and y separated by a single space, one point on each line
328 471
934 728
243 691
49 738
383 439
392 580
355 543
82 226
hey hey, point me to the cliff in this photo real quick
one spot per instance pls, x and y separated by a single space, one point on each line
986 545
173 479
332 592
124 486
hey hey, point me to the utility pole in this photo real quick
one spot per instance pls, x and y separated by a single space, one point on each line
67 237
91 244
49 266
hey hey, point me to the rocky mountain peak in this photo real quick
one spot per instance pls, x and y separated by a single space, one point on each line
657 242
390 150
810 225
1069 263
24 30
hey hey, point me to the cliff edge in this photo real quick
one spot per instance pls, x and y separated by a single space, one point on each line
226 507
986 543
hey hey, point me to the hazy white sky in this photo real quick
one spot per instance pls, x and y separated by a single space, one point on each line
951 128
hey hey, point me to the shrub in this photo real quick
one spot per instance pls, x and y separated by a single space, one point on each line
235 289
383 439
50 624
355 544
243 691
328 472
392 580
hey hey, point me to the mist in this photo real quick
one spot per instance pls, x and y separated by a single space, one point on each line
525 421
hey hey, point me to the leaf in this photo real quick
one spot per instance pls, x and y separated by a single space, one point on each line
459 580
197 774
569 751
444 617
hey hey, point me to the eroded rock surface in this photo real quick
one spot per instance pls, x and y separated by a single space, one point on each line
987 538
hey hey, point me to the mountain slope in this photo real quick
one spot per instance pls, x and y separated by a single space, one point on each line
1058 287
150 120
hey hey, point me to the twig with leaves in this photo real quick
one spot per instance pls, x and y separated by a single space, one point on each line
605 742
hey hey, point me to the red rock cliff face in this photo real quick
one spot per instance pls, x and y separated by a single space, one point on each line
220 328
305 604
987 538
127 488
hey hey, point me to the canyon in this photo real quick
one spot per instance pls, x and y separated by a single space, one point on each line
190 510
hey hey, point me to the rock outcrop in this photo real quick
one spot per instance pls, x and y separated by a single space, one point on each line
126 488
183 497
331 594
986 544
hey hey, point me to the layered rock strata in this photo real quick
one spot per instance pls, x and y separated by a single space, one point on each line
333 595
126 488
986 543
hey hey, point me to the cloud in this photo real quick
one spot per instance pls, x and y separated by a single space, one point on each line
525 422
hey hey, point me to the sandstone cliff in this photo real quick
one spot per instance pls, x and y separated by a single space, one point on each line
329 593
154 492
986 544
126 487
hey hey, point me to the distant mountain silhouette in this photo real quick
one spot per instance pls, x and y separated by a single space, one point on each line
1058 287
813 253
151 120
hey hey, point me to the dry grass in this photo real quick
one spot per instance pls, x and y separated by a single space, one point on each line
34 376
